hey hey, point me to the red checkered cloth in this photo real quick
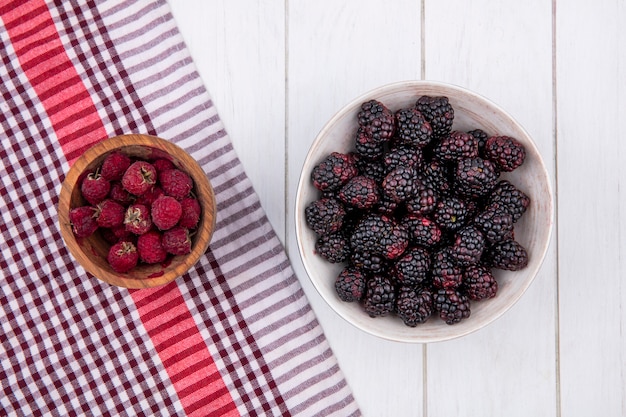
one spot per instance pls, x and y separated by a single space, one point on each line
233 336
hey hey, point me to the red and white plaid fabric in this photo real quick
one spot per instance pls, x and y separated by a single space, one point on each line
233 336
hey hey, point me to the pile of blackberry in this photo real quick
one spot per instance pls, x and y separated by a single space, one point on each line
417 213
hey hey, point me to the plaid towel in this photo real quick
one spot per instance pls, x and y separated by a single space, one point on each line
233 336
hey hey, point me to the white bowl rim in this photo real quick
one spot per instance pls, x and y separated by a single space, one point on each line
305 176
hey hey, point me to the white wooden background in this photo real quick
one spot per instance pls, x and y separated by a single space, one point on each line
278 69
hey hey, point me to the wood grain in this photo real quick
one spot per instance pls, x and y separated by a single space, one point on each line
91 252
591 146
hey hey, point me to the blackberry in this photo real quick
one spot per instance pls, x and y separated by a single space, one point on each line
372 169
508 254
424 201
379 297
369 262
508 197
366 146
403 155
506 152
451 213
325 216
468 246
350 284
380 234
422 231
334 171
481 137
479 283
496 224
445 272
387 206
401 184
412 127
452 305
436 174
455 146
475 177
414 305
412 267
333 247
438 112
377 121
360 192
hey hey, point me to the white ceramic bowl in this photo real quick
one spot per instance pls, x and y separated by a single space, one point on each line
533 230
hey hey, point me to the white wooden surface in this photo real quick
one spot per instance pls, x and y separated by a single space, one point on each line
277 70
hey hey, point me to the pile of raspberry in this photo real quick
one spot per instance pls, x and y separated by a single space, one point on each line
145 210
417 212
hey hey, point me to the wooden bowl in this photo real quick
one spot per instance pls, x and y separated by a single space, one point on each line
91 252
533 230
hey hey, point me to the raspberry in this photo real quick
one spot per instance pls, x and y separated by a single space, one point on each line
109 213
137 219
334 171
450 213
350 284
149 196
468 246
333 247
325 216
150 248
116 234
438 112
367 147
403 155
369 262
119 194
452 305
83 221
191 213
455 146
509 198
166 212
175 183
475 177
95 188
414 305
177 241
422 231
411 269
496 224
123 256
379 297
445 272
114 166
412 127
377 121
479 282
139 177
506 152
508 254
163 164
401 184
381 235
360 192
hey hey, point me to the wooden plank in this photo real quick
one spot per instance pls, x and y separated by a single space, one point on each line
337 51
591 62
503 51
240 54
